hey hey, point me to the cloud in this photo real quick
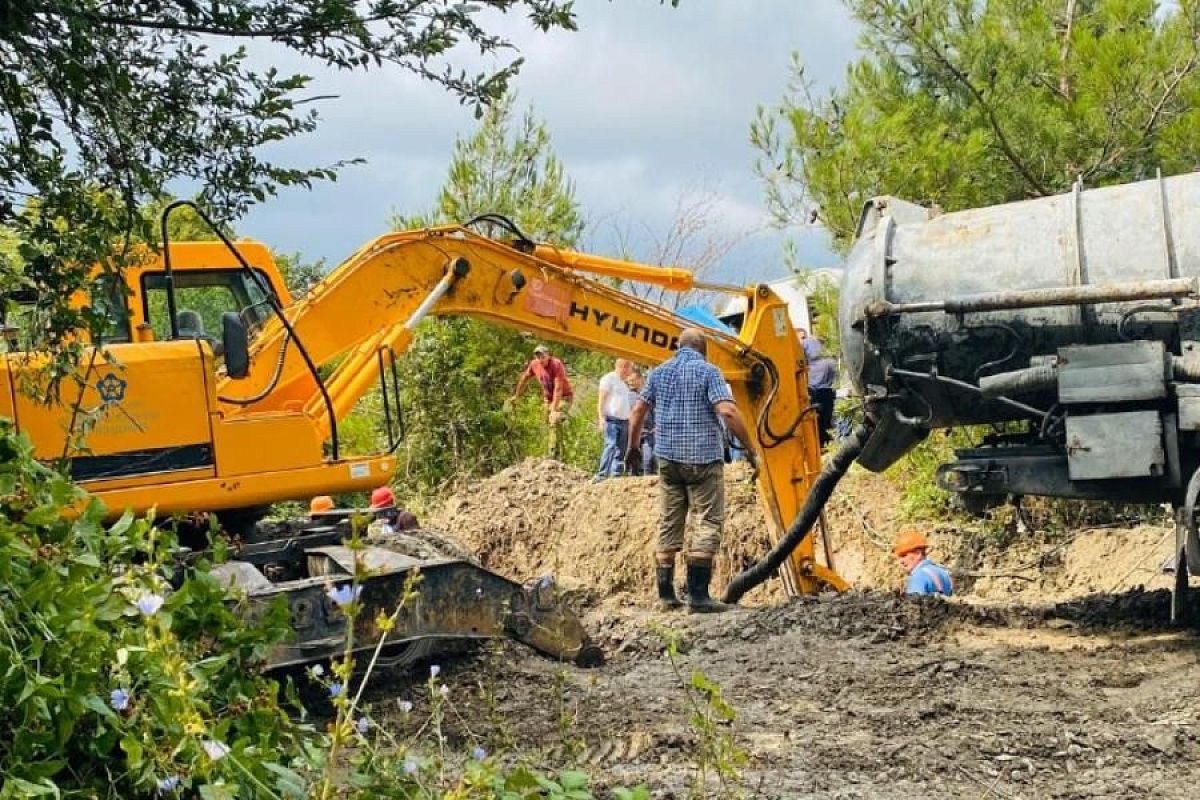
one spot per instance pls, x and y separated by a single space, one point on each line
644 104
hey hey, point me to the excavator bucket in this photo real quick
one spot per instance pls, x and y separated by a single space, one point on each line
451 598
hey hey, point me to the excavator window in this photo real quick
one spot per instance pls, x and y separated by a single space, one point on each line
108 299
201 297
20 317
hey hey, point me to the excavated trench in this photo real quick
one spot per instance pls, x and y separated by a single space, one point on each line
1057 680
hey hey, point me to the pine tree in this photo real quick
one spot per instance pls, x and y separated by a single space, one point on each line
459 372
963 104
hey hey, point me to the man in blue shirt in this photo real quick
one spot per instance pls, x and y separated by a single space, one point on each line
692 407
822 373
924 576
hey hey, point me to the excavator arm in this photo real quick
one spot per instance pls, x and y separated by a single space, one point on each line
371 304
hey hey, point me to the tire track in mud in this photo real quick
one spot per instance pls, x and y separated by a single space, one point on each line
867 695
863 695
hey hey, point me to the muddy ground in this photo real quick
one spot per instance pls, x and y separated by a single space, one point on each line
1054 676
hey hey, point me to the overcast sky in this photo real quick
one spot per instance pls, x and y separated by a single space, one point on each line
645 105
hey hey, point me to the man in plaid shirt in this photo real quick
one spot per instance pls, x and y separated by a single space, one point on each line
690 401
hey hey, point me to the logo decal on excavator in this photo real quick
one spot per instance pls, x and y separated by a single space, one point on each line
547 299
111 388
625 327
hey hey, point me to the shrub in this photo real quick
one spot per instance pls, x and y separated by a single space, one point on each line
113 685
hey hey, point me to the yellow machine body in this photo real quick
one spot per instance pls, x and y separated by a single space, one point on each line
157 421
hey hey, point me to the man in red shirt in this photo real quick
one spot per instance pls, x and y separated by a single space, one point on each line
556 391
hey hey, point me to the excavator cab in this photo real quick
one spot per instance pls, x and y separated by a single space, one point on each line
207 282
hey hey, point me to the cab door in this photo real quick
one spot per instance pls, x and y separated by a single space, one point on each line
136 410
132 410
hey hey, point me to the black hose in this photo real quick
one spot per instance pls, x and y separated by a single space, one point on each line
1036 413
504 222
801 527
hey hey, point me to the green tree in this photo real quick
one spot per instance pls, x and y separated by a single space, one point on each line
299 274
102 105
183 225
459 372
962 103
510 172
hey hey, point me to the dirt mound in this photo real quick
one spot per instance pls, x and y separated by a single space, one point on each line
874 616
1087 561
863 517
1032 566
542 517
1136 609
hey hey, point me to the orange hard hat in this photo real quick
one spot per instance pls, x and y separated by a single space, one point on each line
382 498
910 539
320 504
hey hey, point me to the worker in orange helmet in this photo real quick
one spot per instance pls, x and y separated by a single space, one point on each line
321 504
389 518
924 575
381 498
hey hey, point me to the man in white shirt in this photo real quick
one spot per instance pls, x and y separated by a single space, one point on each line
613 406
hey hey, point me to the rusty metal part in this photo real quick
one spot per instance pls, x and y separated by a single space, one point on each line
455 599
1040 378
1044 298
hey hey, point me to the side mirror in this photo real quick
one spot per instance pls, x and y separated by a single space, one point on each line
236 345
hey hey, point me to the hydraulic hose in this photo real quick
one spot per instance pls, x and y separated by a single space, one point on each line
271 384
1030 380
802 526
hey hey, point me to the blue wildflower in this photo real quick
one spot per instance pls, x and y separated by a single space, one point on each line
119 699
343 595
411 766
168 784
335 689
362 725
434 670
149 604
479 754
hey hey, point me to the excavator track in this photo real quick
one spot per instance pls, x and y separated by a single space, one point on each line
452 599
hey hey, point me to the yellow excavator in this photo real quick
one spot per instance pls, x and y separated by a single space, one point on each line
212 390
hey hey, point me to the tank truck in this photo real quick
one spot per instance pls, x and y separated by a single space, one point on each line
1070 324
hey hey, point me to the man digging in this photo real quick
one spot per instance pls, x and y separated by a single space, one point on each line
690 401
925 576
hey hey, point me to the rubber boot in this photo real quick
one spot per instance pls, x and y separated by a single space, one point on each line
665 576
699 574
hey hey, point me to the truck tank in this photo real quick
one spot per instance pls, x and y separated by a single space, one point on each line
1068 323
995 291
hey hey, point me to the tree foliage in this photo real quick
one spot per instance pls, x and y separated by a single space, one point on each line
103 105
299 274
963 103
128 675
459 372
